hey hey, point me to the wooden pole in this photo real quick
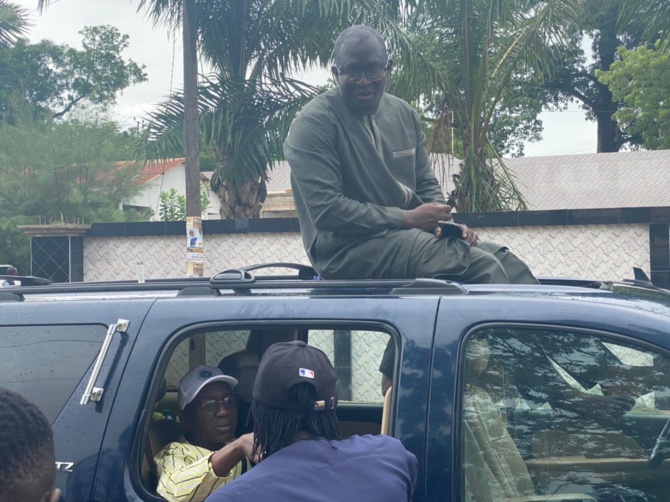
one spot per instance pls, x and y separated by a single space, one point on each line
191 115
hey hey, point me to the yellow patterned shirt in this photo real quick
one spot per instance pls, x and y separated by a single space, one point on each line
185 474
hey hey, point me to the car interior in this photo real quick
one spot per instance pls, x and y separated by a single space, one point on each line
355 354
524 440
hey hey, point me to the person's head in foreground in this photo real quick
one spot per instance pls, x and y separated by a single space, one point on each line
361 68
27 458
209 407
294 397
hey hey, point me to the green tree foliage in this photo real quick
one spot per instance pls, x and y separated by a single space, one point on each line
13 23
609 25
172 206
640 82
468 56
515 120
55 79
65 171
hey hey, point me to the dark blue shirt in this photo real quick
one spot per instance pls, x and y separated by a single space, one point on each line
370 468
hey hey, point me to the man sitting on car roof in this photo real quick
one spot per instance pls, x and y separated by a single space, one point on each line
208 456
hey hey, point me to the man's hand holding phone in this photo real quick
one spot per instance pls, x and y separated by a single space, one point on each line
447 229
427 216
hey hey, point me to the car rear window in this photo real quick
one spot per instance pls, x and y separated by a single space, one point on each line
46 363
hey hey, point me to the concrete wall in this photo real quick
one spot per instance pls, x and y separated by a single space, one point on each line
606 251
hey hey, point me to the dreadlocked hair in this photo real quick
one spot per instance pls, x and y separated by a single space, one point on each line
275 428
27 460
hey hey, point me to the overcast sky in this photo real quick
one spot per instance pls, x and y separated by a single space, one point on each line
564 132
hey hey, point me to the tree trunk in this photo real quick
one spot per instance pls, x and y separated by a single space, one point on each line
476 187
191 115
241 201
609 134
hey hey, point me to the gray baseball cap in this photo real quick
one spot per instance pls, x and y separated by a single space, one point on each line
191 385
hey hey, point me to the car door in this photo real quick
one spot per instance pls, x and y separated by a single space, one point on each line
174 329
532 399
48 352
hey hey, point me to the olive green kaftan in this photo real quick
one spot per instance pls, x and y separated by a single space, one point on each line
353 176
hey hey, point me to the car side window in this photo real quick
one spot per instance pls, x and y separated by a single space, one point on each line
356 356
547 412
217 345
46 363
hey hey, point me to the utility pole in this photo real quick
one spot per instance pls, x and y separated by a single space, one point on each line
194 247
191 114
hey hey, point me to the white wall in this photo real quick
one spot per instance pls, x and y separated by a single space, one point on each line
599 252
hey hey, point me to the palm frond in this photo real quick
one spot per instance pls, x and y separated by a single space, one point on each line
244 122
14 23
166 13
470 52
256 39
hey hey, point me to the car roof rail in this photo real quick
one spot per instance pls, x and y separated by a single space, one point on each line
233 276
304 271
430 286
238 279
568 281
199 291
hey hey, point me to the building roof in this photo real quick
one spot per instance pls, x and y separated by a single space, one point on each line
155 168
596 180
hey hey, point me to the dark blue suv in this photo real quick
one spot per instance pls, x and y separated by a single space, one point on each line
559 391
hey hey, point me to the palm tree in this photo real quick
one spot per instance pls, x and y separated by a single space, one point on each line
468 52
13 23
247 103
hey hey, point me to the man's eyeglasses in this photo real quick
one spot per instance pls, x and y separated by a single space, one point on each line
212 406
354 77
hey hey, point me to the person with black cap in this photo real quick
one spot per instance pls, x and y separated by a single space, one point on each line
297 440
208 456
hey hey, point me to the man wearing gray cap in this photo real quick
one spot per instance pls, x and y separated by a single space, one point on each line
297 438
208 456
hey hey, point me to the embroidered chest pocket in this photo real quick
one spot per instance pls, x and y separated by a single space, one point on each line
403 153
402 165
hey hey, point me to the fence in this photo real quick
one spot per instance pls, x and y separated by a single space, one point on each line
601 244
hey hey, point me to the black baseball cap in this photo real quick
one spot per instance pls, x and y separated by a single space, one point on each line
286 364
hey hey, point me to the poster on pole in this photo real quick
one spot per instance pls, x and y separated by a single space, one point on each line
194 247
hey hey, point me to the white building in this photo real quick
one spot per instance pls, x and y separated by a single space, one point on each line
162 176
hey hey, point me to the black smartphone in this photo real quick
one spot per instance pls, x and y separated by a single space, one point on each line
445 230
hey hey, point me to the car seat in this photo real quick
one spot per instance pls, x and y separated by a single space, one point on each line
242 365
494 468
162 432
